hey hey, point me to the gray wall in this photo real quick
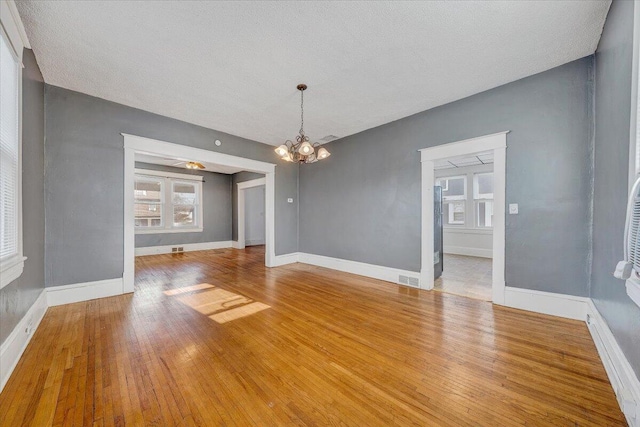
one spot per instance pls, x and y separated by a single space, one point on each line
364 200
613 105
216 210
17 297
84 180
248 176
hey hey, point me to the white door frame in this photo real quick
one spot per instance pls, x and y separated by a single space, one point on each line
496 142
241 211
137 144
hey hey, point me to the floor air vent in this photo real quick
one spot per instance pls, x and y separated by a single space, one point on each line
409 281
177 250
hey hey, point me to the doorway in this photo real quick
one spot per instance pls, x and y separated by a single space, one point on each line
250 206
495 145
139 145
463 245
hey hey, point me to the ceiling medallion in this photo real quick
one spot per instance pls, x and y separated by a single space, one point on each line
302 151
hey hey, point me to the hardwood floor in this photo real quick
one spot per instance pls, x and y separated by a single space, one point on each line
214 338
466 276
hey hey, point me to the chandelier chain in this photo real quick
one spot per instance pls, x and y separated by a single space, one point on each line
302 112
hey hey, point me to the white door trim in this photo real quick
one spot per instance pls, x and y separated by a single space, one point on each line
137 144
496 142
241 187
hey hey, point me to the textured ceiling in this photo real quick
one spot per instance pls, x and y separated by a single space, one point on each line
234 66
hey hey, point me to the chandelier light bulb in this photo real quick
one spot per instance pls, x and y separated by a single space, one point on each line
282 150
323 153
306 148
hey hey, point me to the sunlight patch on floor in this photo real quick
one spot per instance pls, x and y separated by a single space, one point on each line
185 289
218 304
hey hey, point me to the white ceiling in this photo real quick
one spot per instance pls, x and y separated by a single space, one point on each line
484 158
234 66
182 163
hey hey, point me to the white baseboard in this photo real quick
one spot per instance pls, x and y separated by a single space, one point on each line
360 268
285 259
67 294
623 379
461 250
187 247
568 306
236 245
12 348
250 242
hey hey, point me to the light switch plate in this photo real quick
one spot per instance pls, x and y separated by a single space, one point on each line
289 200
513 208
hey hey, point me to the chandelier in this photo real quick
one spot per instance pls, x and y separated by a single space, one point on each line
302 151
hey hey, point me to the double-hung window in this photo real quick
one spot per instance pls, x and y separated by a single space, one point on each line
483 199
167 202
11 255
467 200
454 196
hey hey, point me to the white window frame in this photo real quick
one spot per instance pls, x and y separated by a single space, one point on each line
451 222
633 284
479 198
13 30
169 179
469 174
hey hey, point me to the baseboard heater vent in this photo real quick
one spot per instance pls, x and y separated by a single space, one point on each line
177 250
409 281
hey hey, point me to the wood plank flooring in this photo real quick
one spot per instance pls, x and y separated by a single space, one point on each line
213 338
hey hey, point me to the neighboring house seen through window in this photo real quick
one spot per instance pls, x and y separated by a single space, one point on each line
167 204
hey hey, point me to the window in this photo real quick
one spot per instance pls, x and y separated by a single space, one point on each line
483 199
167 202
11 259
454 195
148 202
457 201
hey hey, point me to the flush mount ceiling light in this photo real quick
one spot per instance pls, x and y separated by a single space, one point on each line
194 165
302 151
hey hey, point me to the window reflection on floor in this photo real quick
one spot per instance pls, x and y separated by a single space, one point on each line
218 304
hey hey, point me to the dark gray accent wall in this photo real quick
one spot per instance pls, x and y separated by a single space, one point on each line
242 177
613 108
216 210
84 180
363 202
17 297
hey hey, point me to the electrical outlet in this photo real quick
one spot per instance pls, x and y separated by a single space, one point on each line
290 200
513 209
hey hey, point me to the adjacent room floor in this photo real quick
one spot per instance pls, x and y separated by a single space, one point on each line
466 276
214 338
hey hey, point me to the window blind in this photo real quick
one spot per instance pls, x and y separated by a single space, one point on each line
9 149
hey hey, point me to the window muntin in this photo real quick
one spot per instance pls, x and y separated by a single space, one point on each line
167 204
148 202
454 213
453 188
185 203
468 209
454 194
483 199
10 156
